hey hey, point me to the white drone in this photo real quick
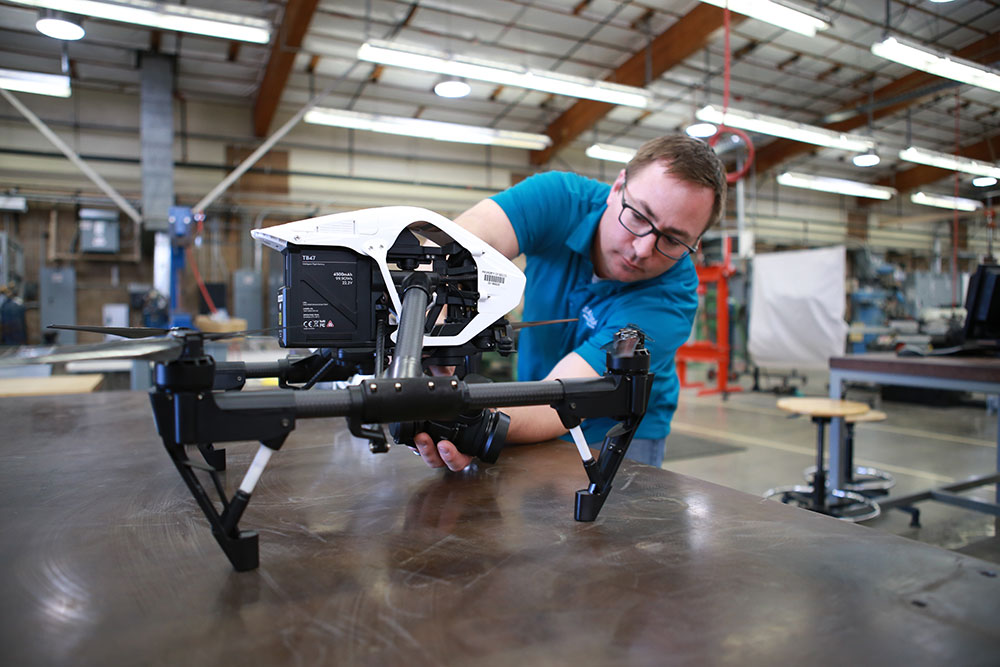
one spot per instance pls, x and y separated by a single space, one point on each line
372 232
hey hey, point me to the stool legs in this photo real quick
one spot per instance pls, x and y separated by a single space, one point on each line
840 503
819 481
862 479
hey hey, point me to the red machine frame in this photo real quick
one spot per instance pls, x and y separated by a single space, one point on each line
705 351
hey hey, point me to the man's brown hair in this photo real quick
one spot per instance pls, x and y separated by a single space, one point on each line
689 159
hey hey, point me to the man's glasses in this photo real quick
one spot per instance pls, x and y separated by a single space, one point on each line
639 225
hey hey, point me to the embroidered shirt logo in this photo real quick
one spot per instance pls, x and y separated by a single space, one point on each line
588 317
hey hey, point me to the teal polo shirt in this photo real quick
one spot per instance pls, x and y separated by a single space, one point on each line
555 216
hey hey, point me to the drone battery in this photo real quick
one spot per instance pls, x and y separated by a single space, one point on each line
327 298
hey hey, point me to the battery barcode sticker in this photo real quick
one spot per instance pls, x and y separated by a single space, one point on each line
494 278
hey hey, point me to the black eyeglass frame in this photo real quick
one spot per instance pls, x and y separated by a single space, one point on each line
653 230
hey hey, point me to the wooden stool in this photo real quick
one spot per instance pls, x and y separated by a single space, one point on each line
863 479
843 504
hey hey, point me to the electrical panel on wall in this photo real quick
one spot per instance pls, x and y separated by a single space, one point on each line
11 261
98 230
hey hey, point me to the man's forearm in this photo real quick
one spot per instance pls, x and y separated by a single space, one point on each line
533 423
537 423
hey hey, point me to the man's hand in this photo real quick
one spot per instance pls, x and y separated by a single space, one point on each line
440 455
444 453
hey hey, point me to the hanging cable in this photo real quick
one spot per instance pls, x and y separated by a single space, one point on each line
954 219
725 61
194 267
732 176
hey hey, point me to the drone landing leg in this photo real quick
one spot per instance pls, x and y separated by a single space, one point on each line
589 501
213 457
628 361
240 546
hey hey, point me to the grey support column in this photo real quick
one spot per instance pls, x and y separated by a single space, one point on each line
157 138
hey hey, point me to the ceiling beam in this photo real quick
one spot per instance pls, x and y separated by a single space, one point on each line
985 50
688 35
298 14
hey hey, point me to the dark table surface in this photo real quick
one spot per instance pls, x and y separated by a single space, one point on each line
956 367
376 559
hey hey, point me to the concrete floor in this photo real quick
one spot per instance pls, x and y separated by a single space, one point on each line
746 443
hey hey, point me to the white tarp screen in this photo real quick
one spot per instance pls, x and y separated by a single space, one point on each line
797 308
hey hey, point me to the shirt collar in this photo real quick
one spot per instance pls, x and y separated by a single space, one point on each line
582 238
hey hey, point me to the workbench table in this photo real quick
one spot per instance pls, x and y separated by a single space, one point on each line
957 373
378 560
50 385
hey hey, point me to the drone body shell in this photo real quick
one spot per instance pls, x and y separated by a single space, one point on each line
372 232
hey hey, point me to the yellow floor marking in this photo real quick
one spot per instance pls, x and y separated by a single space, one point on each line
928 434
730 437
766 410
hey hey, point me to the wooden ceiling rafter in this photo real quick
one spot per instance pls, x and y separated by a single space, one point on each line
779 151
298 15
688 35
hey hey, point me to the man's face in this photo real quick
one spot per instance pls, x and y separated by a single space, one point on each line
677 208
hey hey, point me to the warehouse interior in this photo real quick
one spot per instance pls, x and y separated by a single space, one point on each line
862 189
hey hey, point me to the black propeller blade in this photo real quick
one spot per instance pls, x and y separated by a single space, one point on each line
222 335
150 343
539 323
124 332
157 349
147 332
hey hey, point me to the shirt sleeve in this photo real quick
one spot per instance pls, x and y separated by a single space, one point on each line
542 209
665 315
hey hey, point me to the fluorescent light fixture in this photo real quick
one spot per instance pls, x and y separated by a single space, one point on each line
56 85
701 130
951 162
426 60
869 159
427 129
782 14
452 88
779 127
610 153
165 17
13 203
938 63
945 201
59 26
838 186
984 181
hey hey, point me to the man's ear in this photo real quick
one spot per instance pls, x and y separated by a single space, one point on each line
615 194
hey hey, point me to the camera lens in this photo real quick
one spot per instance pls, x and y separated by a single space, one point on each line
482 434
486 436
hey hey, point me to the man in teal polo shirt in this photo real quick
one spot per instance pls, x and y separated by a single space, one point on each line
609 256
